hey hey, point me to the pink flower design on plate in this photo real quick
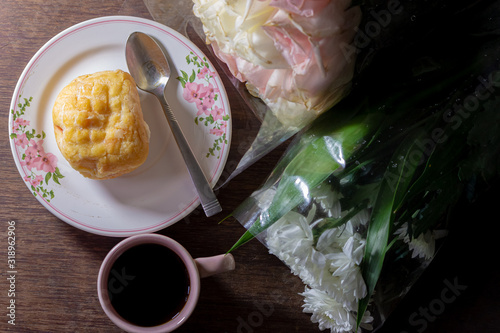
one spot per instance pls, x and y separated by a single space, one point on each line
217 113
205 95
193 92
40 166
20 122
36 181
219 131
21 140
46 162
203 72
203 107
29 162
211 91
37 145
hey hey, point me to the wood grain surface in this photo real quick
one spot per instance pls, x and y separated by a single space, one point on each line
57 265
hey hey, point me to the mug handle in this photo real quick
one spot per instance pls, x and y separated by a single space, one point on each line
209 266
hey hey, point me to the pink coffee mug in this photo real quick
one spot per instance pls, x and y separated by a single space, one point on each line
109 283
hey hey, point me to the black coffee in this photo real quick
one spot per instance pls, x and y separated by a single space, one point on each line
148 285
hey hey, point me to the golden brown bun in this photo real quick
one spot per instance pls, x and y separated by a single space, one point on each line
99 126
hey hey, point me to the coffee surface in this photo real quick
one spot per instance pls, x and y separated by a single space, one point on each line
148 285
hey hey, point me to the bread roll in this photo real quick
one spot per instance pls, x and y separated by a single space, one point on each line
99 125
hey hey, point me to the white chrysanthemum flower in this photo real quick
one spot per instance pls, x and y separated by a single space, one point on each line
328 200
343 251
291 239
345 265
360 218
332 240
330 268
330 314
424 246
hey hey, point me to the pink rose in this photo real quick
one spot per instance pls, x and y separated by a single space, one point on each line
293 54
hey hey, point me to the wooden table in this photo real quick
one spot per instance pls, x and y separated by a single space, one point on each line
57 264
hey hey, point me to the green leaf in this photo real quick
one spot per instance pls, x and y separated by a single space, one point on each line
225 118
13 135
330 223
47 177
58 173
56 179
246 237
185 76
192 77
392 190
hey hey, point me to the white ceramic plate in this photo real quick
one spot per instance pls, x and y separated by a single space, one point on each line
160 192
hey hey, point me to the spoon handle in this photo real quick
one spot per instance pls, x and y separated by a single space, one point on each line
207 197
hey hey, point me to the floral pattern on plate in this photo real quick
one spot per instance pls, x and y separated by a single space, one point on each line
41 166
199 89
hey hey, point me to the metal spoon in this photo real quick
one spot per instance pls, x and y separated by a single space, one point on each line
149 67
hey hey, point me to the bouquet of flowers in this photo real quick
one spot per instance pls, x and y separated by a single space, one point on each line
395 106
367 187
